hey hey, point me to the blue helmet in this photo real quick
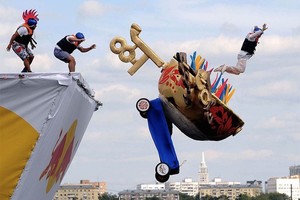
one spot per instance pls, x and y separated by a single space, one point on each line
31 22
79 35
256 29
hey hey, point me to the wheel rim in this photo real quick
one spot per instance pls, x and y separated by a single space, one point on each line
162 169
143 105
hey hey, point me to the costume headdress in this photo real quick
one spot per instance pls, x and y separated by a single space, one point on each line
31 14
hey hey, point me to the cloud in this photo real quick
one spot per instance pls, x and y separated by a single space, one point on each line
248 154
10 14
224 44
296 30
272 123
275 88
114 61
42 62
117 91
280 44
91 8
296 135
10 19
7 30
12 63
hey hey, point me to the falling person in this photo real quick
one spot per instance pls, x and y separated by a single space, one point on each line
247 51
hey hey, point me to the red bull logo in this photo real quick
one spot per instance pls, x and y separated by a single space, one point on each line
61 157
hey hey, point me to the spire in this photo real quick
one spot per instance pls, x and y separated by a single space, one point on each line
203 172
203 160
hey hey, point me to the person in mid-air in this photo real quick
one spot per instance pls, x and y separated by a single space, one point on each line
22 37
67 45
247 51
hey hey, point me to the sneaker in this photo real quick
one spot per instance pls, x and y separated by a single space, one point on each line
21 76
25 70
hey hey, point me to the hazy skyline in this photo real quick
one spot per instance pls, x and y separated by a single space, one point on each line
117 146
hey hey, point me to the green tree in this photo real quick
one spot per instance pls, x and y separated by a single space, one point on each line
223 197
185 197
243 197
262 196
277 196
206 197
152 198
107 196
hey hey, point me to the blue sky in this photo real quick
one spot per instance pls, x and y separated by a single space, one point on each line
117 147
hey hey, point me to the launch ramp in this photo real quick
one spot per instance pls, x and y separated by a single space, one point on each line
43 117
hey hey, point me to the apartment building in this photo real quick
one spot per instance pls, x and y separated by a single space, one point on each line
289 185
85 190
232 191
187 186
156 186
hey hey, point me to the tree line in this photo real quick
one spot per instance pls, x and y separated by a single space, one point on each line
268 196
262 196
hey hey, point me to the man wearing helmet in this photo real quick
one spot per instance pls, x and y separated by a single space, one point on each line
67 45
20 40
247 51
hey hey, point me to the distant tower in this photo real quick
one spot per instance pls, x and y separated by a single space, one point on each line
203 172
294 170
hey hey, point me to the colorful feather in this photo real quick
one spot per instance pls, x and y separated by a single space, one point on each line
31 14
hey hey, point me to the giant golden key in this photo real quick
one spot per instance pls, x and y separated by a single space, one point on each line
118 45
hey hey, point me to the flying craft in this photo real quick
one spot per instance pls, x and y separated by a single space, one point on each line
187 99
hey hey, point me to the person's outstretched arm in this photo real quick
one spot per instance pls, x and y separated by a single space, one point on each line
83 49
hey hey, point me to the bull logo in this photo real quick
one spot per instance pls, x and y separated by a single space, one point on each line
61 157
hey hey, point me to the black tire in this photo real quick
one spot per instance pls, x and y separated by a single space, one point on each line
161 179
143 114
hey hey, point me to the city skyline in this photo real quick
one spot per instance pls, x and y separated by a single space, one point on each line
211 181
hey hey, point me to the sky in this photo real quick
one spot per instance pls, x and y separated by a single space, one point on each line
117 147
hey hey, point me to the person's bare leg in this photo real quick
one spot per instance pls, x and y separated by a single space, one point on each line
27 64
71 64
31 59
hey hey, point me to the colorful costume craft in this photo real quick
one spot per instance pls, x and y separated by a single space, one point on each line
187 99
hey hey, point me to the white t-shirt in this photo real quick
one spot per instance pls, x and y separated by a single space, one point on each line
71 36
22 31
253 36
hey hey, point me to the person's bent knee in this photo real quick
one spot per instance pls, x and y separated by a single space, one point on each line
30 58
71 59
